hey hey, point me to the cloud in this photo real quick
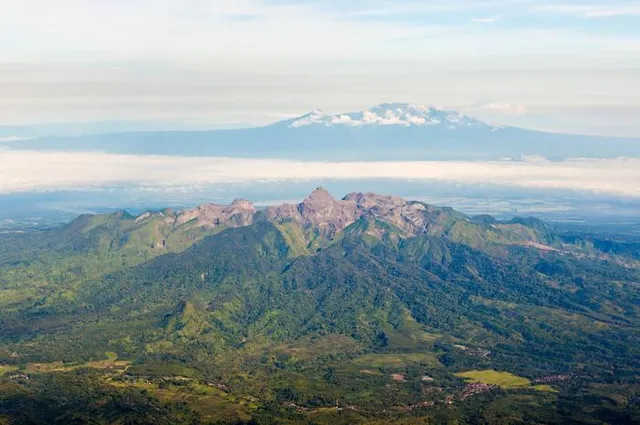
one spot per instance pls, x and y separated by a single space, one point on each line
504 108
24 171
231 61
488 20
591 10
79 30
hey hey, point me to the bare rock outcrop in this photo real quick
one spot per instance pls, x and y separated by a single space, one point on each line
320 211
319 214
240 213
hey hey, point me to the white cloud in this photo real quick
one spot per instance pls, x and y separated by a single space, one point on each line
487 20
29 171
188 30
78 30
505 108
591 10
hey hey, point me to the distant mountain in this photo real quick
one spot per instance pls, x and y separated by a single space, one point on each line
391 131
77 129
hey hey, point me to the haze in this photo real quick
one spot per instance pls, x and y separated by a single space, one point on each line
571 66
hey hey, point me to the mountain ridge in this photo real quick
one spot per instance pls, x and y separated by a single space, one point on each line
322 217
387 307
320 221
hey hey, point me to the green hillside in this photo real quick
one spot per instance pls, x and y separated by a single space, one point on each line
116 319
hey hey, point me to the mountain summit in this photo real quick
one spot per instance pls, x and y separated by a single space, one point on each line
390 114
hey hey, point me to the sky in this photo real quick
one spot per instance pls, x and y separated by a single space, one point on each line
561 65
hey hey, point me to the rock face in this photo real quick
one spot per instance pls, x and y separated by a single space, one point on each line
319 211
410 217
240 213
319 214
366 201
329 216
326 214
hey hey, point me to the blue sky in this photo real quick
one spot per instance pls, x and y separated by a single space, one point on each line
563 65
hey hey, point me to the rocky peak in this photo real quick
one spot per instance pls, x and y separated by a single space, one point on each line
367 201
243 204
239 213
320 194
321 210
319 214
319 202
149 215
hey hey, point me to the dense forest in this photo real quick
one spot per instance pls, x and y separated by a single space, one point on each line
367 310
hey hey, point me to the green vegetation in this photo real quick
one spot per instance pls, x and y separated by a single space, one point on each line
114 320
504 380
547 388
385 361
7 368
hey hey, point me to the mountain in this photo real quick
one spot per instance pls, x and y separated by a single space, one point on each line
75 129
366 309
392 131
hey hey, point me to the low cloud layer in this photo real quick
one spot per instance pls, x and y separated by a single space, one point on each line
505 108
23 171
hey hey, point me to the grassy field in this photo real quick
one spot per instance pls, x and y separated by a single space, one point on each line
6 369
111 363
504 380
546 388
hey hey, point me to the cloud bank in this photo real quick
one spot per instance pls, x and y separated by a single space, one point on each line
505 108
23 171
